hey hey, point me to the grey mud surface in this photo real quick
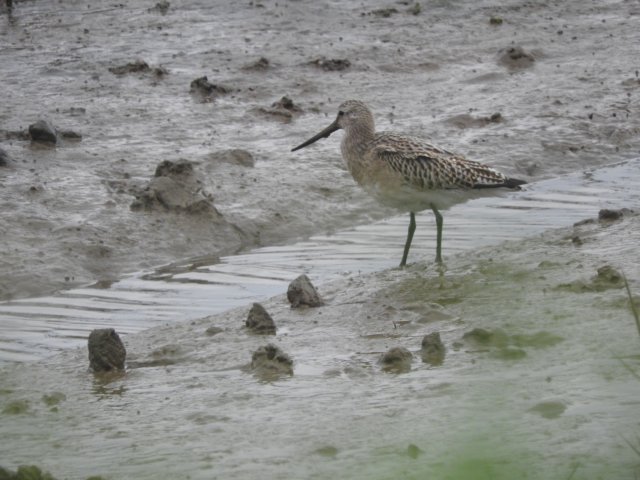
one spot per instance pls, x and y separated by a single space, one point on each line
551 89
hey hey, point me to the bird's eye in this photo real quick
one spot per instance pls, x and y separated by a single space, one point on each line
340 113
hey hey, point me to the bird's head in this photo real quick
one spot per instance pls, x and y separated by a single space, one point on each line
352 115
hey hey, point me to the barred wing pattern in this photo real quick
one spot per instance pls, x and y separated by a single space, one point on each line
426 167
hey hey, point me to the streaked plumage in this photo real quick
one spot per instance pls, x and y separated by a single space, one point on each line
406 172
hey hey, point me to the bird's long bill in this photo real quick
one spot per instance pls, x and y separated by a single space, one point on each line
323 134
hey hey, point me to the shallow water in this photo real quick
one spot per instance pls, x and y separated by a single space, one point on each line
190 289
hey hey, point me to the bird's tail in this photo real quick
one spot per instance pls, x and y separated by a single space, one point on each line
513 183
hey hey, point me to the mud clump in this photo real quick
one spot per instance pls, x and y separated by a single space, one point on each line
259 321
515 58
486 337
606 215
610 276
168 168
43 132
396 360
467 121
286 103
606 278
175 188
234 156
161 7
106 351
498 343
269 362
205 90
331 65
138 66
432 350
301 292
259 65
383 12
4 158
284 110
70 135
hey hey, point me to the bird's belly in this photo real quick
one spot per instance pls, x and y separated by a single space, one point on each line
408 199
391 189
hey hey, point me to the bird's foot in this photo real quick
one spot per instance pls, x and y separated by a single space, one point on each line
441 268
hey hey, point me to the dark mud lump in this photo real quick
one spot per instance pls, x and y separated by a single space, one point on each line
269 360
432 350
106 351
396 360
302 293
259 321
4 158
43 132
515 58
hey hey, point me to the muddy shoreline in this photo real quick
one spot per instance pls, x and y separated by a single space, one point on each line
536 90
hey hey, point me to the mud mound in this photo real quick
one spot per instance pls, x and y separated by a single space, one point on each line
175 188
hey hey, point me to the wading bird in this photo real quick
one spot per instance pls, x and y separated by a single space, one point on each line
406 172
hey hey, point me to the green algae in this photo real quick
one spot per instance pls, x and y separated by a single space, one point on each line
53 399
540 339
16 407
549 409
606 278
25 472
509 353
328 451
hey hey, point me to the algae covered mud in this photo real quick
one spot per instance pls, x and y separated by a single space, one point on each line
537 379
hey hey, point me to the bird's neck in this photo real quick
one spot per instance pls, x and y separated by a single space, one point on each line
357 139
356 143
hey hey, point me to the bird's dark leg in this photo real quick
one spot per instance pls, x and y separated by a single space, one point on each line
439 234
407 245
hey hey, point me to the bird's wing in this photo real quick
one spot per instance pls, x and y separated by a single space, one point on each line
427 166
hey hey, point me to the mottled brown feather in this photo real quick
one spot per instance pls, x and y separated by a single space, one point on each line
427 167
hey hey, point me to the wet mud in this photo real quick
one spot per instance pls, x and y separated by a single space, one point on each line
516 348
538 329
121 76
